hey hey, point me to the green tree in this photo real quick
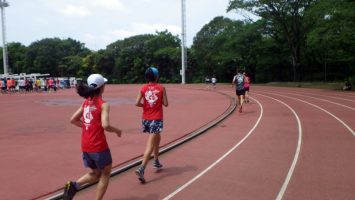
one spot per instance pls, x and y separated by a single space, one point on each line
134 54
330 41
207 44
16 57
284 15
50 55
223 45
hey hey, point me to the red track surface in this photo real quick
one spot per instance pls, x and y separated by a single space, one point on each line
40 150
272 153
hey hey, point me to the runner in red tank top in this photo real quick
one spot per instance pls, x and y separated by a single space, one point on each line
93 117
154 97
152 105
246 86
93 137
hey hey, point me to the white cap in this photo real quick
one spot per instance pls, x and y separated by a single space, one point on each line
96 80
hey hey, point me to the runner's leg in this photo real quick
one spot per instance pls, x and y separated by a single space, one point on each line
103 182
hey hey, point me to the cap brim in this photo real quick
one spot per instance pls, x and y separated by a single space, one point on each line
105 79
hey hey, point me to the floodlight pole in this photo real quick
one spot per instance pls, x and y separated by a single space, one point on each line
4 4
183 41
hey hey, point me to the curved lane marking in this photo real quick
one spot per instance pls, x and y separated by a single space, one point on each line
298 150
338 98
165 148
322 95
221 158
339 104
320 108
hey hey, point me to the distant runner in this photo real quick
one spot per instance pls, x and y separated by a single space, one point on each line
238 81
246 87
214 81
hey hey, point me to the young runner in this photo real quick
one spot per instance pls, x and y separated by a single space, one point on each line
93 117
214 81
238 80
151 97
246 87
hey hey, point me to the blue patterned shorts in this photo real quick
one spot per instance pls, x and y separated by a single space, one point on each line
152 126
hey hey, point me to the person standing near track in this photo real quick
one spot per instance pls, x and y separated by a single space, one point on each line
154 97
3 85
214 81
246 86
9 85
93 117
238 81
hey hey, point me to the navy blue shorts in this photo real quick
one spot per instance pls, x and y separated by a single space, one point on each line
97 160
152 126
240 92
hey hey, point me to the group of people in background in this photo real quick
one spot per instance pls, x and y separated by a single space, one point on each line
211 81
242 84
25 85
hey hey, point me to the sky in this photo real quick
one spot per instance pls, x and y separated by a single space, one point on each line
98 23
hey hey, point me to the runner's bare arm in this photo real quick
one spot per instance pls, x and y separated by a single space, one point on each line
105 121
139 100
75 118
165 98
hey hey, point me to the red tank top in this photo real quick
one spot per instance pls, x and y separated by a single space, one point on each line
246 82
152 94
93 138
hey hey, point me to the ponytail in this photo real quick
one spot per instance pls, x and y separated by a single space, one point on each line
86 91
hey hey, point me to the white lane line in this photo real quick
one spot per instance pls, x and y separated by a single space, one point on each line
338 98
298 150
322 95
320 108
339 104
344 98
221 158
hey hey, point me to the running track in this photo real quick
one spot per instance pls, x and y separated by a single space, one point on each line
289 143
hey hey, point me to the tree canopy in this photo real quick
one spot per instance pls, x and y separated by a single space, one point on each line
292 40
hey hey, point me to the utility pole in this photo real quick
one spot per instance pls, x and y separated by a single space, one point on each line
4 4
183 41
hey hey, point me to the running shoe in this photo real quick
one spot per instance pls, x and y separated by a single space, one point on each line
140 174
157 165
69 191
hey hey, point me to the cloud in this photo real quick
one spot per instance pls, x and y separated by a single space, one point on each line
92 40
109 4
72 10
99 41
141 28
